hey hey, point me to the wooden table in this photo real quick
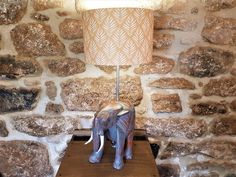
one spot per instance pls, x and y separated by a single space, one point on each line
75 162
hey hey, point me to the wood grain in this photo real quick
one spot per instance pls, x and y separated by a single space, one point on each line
75 162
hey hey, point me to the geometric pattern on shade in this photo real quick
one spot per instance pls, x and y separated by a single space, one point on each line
118 36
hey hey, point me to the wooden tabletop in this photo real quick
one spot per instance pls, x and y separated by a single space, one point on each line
75 162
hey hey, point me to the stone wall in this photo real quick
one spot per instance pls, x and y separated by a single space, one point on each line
185 98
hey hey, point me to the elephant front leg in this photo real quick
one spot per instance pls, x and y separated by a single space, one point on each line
128 150
96 155
119 163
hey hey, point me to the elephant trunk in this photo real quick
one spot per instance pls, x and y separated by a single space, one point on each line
101 143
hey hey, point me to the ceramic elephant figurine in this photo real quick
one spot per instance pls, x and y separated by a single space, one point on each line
115 121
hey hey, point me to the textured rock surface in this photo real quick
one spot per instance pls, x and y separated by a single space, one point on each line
218 149
163 40
195 96
172 83
178 23
176 127
111 69
12 11
52 108
159 65
38 125
224 126
39 5
12 67
173 7
17 99
36 39
71 29
66 67
215 5
203 61
204 174
220 30
166 170
86 94
24 158
77 47
233 105
220 87
209 108
51 90
233 71
3 129
212 164
39 17
166 103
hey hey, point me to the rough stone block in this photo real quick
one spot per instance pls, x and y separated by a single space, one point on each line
218 30
39 17
223 126
66 67
52 108
176 127
166 103
86 94
15 67
24 158
223 87
172 83
216 5
111 69
36 39
51 90
209 108
158 65
233 105
202 61
13 99
12 11
39 5
71 29
40 126
175 23
163 40
204 174
166 170
77 47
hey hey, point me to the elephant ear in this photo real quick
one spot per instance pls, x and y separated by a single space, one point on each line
123 122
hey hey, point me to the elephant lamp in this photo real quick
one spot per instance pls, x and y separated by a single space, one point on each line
114 121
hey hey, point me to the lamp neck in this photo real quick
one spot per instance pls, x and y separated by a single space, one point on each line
117 81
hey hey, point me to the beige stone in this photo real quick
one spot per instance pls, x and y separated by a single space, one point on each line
172 170
233 105
159 65
3 129
195 96
225 86
111 69
216 5
71 29
163 40
18 99
51 90
40 5
36 39
24 158
168 103
86 94
233 71
77 47
204 61
12 11
15 67
172 83
204 174
52 108
209 108
176 127
66 67
40 126
223 126
218 30
175 23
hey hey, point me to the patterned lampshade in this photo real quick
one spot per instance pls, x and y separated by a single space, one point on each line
118 36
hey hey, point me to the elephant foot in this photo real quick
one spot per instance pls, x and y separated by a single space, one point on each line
118 165
128 155
95 158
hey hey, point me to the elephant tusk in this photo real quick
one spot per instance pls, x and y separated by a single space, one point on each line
102 142
90 139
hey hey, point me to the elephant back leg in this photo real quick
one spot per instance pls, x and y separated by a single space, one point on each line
129 146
